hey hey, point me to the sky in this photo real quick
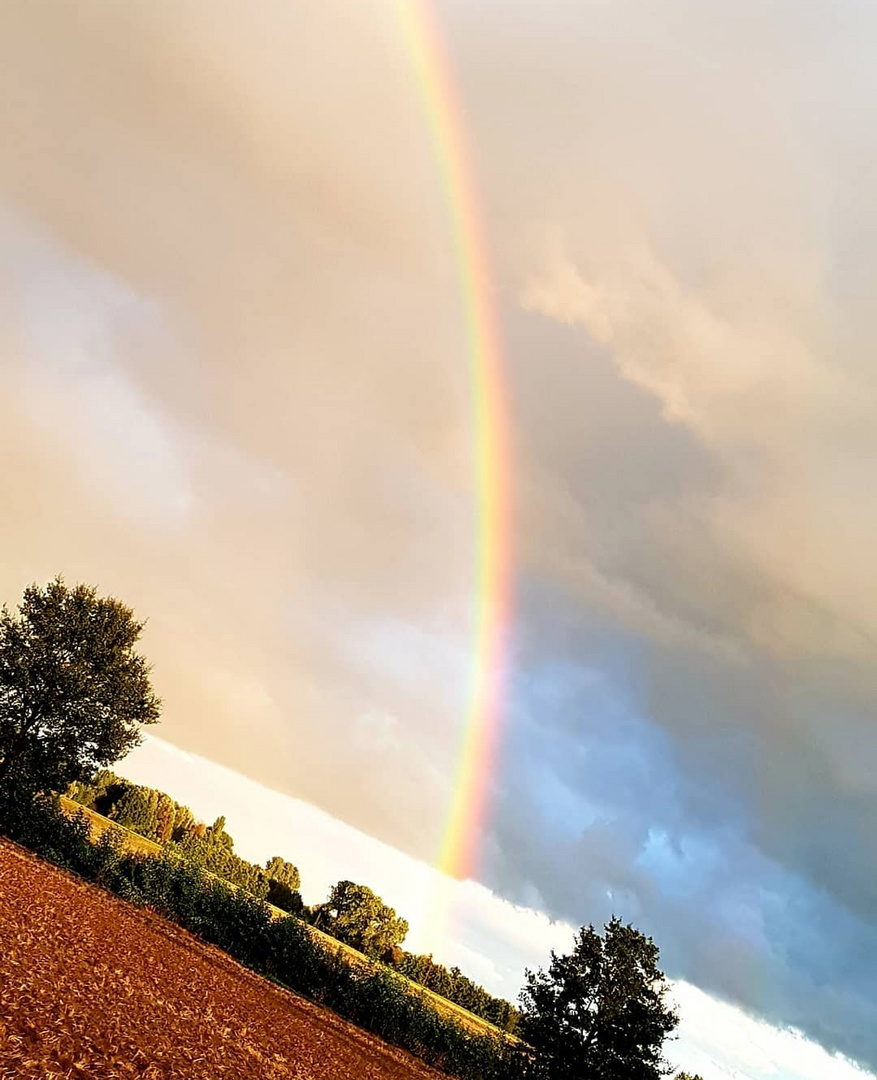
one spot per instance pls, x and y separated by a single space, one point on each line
236 395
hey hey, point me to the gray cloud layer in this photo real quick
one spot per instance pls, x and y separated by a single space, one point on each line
236 396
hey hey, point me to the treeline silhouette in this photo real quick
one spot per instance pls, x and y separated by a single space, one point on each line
352 913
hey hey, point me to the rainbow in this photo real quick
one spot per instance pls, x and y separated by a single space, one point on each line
479 738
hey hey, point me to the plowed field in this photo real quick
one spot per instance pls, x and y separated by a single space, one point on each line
93 989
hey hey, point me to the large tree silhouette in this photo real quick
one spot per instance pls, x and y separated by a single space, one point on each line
599 1013
74 694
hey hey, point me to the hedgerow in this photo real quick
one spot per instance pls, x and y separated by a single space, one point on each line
242 925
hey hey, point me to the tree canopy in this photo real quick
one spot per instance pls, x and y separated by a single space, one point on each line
600 1012
353 913
74 693
284 881
452 984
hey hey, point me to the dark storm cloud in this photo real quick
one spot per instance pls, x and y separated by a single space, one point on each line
606 807
665 759
696 395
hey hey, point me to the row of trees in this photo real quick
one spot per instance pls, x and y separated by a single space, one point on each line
156 816
352 913
374 997
452 984
74 696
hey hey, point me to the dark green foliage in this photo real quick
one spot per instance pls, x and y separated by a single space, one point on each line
284 882
599 1013
165 818
151 813
283 872
362 920
100 794
156 816
294 959
376 999
73 692
39 825
214 851
354 914
184 822
383 1003
452 984
137 810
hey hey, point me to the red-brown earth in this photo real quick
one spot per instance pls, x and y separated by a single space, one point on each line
91 987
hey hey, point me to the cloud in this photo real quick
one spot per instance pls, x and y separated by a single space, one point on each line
70 390
228 307
712 358
237 396
604 810
691 381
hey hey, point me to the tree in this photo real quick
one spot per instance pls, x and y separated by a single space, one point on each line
284 882
136 810
687 1076
601 1012
184 823
280 870
165 812
354 914
74 694
108 789
216 835
453 985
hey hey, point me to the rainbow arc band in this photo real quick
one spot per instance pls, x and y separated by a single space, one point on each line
492 605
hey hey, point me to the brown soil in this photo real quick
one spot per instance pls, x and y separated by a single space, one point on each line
94 989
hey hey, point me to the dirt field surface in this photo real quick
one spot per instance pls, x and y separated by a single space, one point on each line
93 989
